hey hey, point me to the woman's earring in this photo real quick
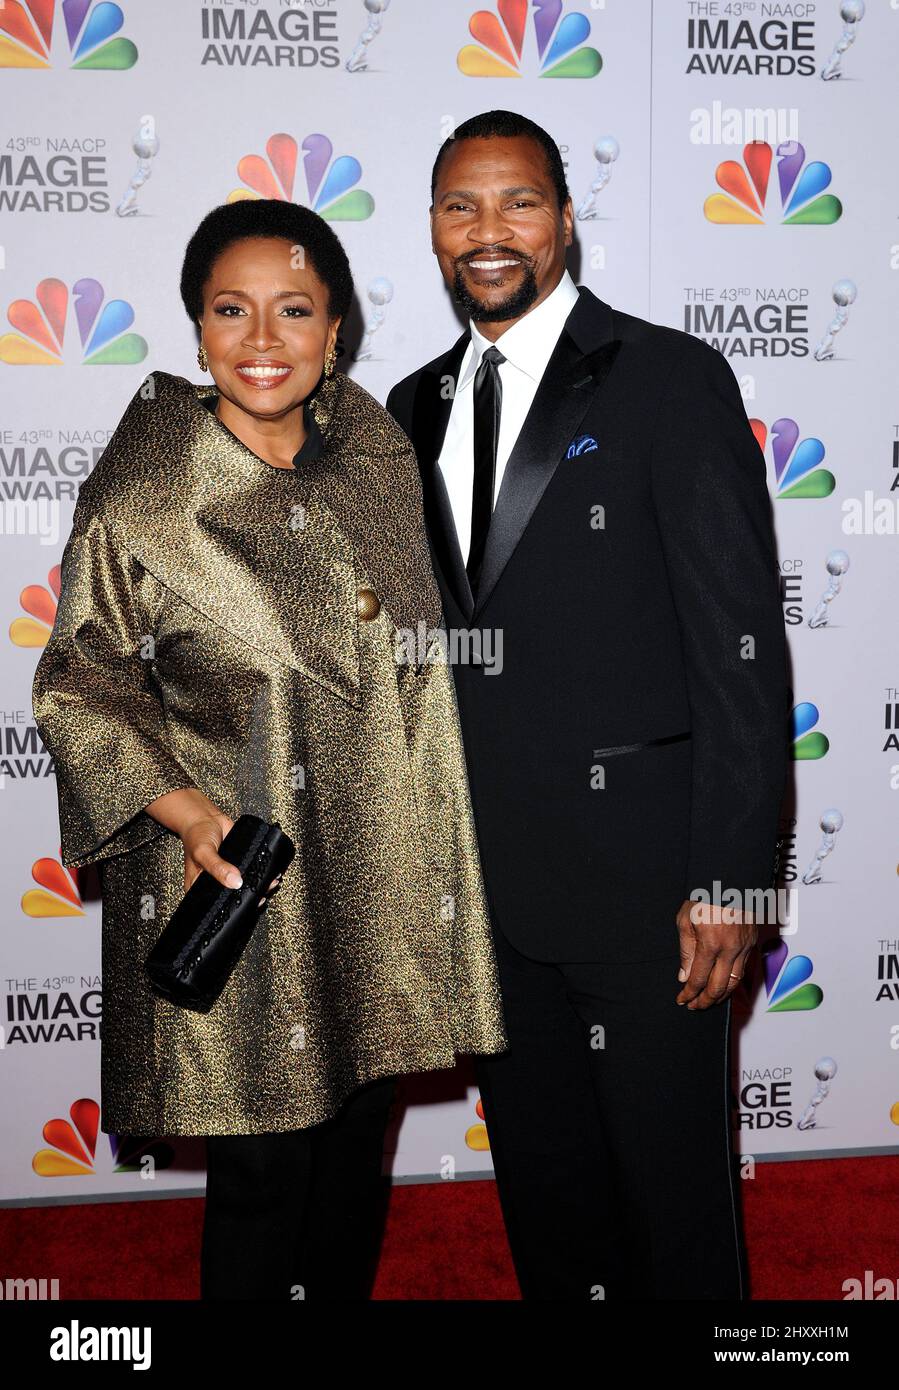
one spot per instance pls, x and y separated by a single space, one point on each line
202 358
330 359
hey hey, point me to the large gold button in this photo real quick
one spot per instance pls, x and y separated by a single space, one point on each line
368 605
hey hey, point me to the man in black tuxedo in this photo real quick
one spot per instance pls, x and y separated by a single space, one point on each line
596 500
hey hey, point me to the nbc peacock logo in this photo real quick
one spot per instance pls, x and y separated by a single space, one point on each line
802 197
808 743
74 1146
476 1134
57 893
786 982
91 31
40 604
41 327
797 472
502 36
330 183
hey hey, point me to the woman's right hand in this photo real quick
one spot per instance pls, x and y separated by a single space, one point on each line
201 839
201 827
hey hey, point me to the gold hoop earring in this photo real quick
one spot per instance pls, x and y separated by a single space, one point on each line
202 358
330 359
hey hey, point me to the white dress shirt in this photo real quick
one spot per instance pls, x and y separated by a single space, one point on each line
527 347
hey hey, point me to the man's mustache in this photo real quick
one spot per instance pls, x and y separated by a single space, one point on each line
492 253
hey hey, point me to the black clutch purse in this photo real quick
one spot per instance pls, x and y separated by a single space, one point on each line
194 957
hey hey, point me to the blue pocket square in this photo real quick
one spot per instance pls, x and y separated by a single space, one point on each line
584 444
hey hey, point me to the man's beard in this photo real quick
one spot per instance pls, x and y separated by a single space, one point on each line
511 308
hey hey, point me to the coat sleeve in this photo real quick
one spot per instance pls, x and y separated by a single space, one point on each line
714 517
391 405
397 404
94 705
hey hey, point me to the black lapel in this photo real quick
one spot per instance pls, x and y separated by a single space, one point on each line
430 416
580 363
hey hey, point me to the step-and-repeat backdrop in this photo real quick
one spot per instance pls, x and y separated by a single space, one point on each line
734 172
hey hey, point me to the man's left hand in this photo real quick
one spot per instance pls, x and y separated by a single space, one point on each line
714 947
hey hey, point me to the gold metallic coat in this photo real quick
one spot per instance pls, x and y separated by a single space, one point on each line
211 633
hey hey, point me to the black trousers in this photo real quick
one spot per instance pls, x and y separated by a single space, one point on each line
609 1126
298 1214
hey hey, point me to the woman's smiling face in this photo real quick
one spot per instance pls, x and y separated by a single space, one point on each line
265 325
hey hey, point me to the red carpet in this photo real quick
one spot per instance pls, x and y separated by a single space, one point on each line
809 1226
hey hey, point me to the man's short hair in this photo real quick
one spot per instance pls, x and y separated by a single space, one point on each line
491 124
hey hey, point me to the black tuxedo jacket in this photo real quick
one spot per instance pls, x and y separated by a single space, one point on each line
631 576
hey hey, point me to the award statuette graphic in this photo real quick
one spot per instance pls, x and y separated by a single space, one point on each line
606 151
380 293
358 59
837 564
843 292
145 145
825 1071
831 821
852 12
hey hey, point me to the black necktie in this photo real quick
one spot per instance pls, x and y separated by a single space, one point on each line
488 401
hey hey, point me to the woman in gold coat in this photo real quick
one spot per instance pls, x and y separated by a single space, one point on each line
248 622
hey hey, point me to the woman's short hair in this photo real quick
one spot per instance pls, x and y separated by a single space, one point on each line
266 217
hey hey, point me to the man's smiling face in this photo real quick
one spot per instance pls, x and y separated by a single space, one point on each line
497 230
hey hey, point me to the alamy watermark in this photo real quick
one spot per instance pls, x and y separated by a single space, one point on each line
758 905
463 646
